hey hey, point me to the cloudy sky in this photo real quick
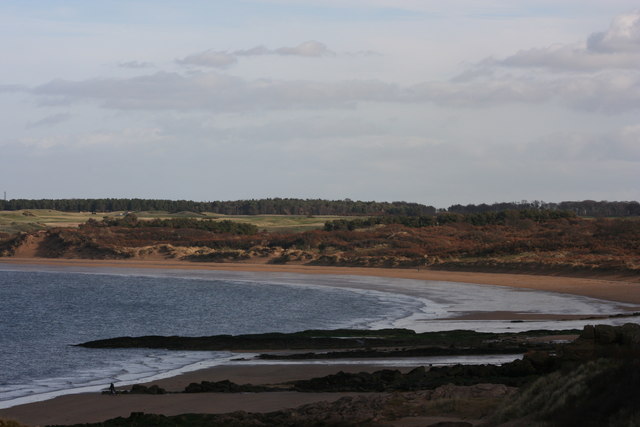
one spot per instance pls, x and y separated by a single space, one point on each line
437 102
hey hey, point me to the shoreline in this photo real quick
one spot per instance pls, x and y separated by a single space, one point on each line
614 288
91 407
96 407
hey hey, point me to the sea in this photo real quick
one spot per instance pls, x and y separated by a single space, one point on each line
44 314
45 311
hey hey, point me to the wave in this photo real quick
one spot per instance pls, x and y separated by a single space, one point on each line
143 368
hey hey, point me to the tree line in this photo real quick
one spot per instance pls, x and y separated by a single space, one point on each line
275 206
346 207
589 208
507 217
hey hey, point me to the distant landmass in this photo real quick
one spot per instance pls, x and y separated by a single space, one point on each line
292 206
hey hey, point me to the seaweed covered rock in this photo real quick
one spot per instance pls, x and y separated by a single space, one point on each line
224 386
512 374
141 389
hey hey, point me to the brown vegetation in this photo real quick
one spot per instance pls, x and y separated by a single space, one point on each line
556 245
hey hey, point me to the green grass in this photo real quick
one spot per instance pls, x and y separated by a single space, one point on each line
283 223
39 219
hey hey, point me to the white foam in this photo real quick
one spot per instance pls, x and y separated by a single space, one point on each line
494 359
132 372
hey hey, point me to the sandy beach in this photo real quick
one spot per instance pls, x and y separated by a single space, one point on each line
92 407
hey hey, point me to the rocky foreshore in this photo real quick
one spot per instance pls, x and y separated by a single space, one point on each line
590 381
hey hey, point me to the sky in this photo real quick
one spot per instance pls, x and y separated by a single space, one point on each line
426 101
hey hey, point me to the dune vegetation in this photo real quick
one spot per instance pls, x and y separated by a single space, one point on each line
512 241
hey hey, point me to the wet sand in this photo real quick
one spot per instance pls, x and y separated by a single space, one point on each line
95 407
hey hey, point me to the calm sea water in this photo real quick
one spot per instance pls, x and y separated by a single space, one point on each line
45 310
43 313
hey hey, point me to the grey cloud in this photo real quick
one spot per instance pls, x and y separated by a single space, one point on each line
620 146
481 71
478 93
617 48
364 53
47 121
610 92
209 58
13 88
213 91
219 59
135 64
307 129
255 51
567 58
309 48
622 36
605 92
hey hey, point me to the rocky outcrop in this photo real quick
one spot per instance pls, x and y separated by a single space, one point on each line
351 342
604 341
512 374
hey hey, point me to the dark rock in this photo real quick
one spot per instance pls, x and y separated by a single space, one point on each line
224 386
605 334
588 333
153 389
451 424
630 334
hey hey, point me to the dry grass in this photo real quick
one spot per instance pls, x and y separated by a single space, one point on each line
39 219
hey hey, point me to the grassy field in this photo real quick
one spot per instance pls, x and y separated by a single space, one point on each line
36 219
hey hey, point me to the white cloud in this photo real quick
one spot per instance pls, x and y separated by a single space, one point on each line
622 36
602 75
209 58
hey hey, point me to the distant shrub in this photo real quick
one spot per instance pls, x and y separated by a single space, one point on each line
224 226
